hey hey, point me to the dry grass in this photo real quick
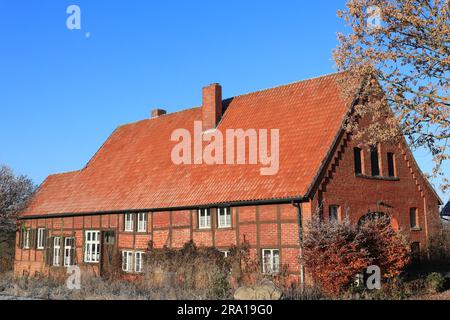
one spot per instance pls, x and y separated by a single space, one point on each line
93 288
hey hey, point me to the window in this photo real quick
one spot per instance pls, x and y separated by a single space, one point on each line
334 213
374 161
92 247
26 238
391 164
224 217
129 222
133 261
271 260
204 219
127 261
138 261
413 218
358 160
142 222
40 239
69 244
56 251
109 237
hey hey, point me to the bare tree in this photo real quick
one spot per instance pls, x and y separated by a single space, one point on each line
399 52
14 194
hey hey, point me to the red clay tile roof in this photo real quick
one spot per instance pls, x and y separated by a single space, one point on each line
133 169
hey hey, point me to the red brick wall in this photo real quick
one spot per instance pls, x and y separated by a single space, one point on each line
358 195
270 226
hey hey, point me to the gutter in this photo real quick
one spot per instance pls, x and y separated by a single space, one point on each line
300 240
212 205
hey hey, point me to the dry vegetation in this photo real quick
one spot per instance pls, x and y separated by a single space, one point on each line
334 253
198 273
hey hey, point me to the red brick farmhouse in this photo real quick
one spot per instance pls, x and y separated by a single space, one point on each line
131 192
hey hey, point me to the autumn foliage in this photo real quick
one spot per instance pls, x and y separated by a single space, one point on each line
388 249
335 253
401 48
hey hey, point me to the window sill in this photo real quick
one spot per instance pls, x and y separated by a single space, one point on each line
364 176
225 228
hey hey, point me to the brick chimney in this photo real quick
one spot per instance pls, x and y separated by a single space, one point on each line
212 106
158 112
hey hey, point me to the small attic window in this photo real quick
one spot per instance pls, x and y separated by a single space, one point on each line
391 164
375 165
358 160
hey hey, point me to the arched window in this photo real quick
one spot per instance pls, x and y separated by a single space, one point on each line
372 216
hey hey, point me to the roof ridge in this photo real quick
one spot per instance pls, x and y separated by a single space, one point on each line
233 97
287 84
160 117
65 172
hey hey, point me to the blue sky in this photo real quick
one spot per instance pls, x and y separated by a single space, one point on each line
62 92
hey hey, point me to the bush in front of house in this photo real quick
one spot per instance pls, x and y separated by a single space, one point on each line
190 267
206 268
335 253
439 246
435 282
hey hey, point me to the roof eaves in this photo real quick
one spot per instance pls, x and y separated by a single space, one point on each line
296 199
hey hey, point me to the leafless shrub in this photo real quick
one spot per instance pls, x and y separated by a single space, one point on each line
14 194
439 247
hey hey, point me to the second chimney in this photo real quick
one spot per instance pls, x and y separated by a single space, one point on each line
158 112
211 106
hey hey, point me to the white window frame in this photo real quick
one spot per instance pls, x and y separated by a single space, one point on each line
129 222
56 251
204 219
40 238
274 261
139 261
142 222
224 218
127 261
27 239
68 249
92 246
